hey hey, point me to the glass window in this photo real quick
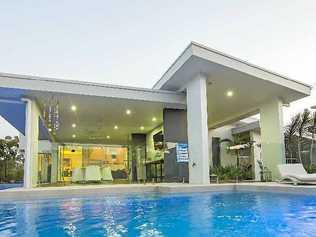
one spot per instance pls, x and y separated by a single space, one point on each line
80 156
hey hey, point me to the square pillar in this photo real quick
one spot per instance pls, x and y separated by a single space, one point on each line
256 154
54 170
272 136
198 130
31 144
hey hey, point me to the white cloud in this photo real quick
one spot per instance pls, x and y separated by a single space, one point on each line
6 129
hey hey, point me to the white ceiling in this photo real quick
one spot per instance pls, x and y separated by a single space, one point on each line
96 117
249 91
249 94
252 85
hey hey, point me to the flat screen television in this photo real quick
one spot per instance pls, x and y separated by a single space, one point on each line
158 141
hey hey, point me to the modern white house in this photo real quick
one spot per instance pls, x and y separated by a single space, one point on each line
141 134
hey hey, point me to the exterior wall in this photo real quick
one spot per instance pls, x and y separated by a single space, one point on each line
272 136
230 158
175 131
223 133
31 144
198 130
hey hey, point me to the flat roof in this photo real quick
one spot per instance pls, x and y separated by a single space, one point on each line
44 84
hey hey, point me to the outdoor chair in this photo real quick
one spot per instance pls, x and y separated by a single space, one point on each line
296 174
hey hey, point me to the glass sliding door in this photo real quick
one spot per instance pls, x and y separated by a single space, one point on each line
83 155
71 158
44 168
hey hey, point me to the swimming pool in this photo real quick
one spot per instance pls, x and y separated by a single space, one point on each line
8 185
153 214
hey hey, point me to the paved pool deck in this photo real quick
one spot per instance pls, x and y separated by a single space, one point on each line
15 194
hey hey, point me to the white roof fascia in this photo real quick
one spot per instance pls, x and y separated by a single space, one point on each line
43 84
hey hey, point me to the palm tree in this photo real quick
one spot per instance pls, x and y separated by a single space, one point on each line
312 130
290 133
302 129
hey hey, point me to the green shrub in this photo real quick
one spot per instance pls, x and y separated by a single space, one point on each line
231 172
310 169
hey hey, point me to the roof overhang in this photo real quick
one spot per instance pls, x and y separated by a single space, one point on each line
100 107
174 80
42 84
252 85
254 126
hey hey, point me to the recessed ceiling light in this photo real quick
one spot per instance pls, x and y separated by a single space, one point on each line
142 128
49 129
73 135
229 93
108 137
115 127
128 112
154 119
73 125
73 108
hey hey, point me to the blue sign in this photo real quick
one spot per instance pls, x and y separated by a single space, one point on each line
182 152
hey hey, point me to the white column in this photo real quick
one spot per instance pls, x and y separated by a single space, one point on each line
31 144
272 135
54 171
198 130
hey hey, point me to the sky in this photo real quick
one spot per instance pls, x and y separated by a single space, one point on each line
134 42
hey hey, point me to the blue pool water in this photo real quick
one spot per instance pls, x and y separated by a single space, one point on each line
200 214
14 185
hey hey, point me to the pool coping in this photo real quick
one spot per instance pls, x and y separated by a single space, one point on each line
16 194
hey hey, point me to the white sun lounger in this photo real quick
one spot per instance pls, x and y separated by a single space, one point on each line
92 173
106 174
296 174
